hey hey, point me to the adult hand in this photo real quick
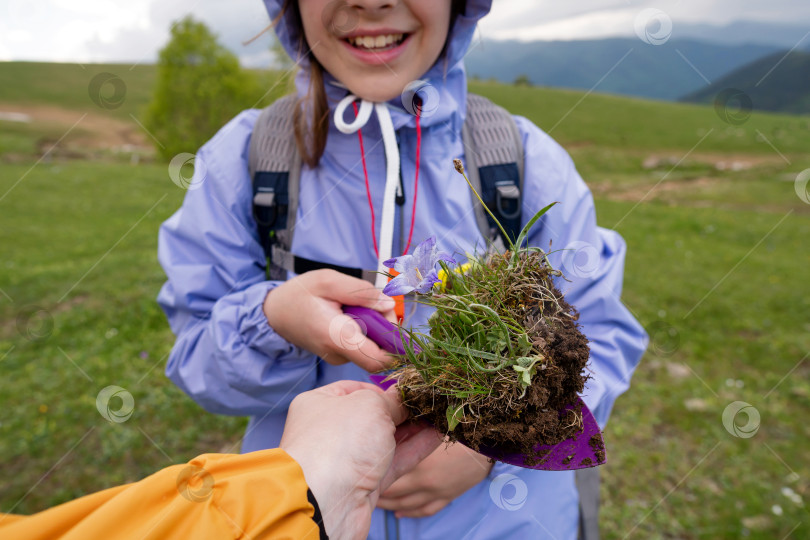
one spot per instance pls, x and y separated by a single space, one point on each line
307 312
434 483
345 438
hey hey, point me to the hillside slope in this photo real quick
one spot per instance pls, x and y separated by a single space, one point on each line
617 66
571 116
779 83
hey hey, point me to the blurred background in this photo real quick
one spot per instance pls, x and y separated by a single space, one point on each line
689 120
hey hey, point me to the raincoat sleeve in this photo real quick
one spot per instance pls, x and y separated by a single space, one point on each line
257 495
592 258
226 357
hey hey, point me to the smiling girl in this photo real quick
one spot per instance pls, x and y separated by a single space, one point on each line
247 345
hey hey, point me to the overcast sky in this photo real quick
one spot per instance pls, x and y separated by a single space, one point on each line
134 30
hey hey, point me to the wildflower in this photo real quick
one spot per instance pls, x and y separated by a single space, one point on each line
442 275
417 272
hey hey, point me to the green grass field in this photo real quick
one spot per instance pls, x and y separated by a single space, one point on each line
68 85
717 271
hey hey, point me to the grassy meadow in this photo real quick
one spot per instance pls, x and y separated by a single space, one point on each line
716 271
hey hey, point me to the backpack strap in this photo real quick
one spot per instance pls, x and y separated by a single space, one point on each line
275 168
274 164
587 483
493 148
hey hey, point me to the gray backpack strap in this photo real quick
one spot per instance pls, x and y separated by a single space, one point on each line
493 148
587 482
275 170
272 146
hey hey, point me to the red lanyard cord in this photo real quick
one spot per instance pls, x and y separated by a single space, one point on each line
415 183
368 189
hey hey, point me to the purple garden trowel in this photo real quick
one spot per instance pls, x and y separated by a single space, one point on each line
586 449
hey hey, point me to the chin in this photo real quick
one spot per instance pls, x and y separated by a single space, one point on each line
378 93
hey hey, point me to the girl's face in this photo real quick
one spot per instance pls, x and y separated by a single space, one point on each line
376 47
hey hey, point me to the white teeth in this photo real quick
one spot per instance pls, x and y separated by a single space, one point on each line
376 42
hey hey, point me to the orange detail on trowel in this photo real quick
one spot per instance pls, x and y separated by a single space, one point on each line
399 301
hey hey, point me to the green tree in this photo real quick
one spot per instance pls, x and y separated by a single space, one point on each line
522 80
200 87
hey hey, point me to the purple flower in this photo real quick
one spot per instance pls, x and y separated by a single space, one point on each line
417 272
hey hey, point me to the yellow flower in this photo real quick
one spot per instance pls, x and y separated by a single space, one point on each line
442 274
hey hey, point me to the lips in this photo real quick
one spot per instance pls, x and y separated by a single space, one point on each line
377 43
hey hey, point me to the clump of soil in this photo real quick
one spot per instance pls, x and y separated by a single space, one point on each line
598 446
509 417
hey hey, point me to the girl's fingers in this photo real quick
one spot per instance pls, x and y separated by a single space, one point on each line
334 359
409 453
408 483
362 359
347 341
425 511
351 291
403 487
403 504
391 316
369 356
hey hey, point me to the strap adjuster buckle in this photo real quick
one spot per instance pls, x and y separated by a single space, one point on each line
265 198
509 192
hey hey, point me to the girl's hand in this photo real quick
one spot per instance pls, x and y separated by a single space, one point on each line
433 484
306 311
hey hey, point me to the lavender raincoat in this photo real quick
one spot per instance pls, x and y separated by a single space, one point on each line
230 361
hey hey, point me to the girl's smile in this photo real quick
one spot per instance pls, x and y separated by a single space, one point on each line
376 42
376 47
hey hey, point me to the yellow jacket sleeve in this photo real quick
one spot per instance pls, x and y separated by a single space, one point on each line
257 495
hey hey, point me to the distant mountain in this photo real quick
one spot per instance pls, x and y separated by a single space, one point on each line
617 65
775 83
786 36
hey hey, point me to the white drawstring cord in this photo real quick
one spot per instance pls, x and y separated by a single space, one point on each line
391 170
363 114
